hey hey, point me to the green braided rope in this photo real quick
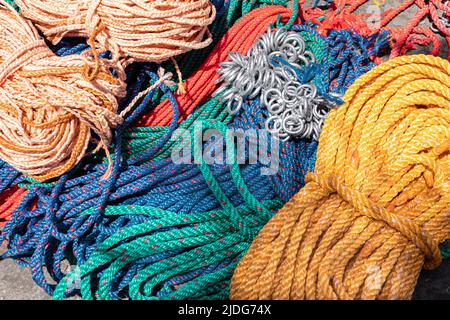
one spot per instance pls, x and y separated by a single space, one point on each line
34 183
12 3
196 229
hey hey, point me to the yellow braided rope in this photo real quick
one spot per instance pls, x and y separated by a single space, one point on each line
376 208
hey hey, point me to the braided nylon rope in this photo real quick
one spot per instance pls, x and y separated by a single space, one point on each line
50 110
343 14
227 14
144 31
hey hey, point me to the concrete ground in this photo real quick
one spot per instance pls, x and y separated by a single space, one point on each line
16 282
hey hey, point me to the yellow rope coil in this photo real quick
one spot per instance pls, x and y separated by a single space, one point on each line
49 111
378 205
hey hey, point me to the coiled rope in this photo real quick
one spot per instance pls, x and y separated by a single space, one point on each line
376 208
141 30
49 109
72 218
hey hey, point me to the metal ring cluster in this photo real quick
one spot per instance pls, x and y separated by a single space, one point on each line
295 109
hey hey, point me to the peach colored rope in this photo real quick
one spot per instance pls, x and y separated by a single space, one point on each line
142 30
48 110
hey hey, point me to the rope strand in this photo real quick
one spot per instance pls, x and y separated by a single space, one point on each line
48 110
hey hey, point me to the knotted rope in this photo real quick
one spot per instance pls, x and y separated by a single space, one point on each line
376 208
144 30
49 110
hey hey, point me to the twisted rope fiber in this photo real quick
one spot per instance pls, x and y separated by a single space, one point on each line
341 14
376 208
48 110
139 80
227 13
146 185
96 263
144 30
235 9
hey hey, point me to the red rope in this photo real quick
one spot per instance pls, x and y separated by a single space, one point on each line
201 85
10 199
341 14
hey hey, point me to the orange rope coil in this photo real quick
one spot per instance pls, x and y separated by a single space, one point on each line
48 109
378 205
145 30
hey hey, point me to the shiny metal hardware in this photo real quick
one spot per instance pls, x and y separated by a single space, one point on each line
295 109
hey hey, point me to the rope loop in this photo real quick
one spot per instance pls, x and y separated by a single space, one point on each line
364 206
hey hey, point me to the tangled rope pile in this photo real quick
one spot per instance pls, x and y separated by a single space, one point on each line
376 208
141 30
155 228
238 39
48 109
234 9
67 219
52 213
343 14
